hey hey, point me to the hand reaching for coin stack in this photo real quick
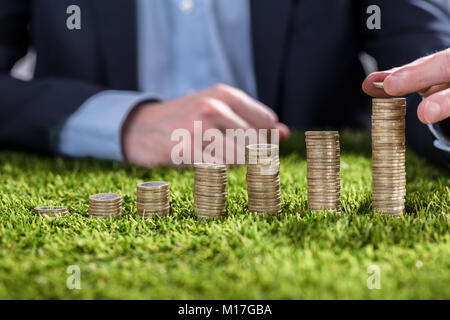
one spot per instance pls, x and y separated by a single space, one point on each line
428 76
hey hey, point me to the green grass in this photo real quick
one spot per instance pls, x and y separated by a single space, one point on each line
297 255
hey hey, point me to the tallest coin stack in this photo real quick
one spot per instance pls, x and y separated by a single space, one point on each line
388 155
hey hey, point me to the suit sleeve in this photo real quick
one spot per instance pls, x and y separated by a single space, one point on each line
31 110
410 29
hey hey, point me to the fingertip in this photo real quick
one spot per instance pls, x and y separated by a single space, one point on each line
429 111
284 131
421 113
368 87
432 112
266 116
365 88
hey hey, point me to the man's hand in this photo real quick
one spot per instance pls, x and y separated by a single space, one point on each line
146 134
428 76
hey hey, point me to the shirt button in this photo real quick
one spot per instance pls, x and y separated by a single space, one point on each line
186 6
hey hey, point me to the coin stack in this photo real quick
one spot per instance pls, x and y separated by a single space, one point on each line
210 190
263 182
153 198
388 155
105 205
323 170
52 212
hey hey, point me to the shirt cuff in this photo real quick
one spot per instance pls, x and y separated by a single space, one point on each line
442 142
94 130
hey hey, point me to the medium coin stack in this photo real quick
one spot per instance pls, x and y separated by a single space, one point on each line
323 170
153 198
210 190
53 212
105 205
263 182
388 155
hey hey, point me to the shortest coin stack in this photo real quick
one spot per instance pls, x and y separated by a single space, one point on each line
153 198
105 205
323 170
210 190
263 182
54 212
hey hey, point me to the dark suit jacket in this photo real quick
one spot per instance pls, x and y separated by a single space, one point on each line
305 55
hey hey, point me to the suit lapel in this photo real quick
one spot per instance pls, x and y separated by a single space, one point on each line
116 21
270 20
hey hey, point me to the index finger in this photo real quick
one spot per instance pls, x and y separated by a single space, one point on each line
254 112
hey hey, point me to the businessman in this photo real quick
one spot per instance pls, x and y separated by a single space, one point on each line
137 70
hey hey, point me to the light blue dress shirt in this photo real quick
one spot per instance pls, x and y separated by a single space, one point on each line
184 46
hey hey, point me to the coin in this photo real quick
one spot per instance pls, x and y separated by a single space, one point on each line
99 206
328 204
267 191
212 212
105 197
322 191
322 134
154 185
51 211
378 85
153 195
264 203
104 212
323 187
393 100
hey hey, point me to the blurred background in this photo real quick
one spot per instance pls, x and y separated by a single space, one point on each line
25 67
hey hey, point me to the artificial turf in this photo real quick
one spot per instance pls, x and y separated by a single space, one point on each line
295 255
